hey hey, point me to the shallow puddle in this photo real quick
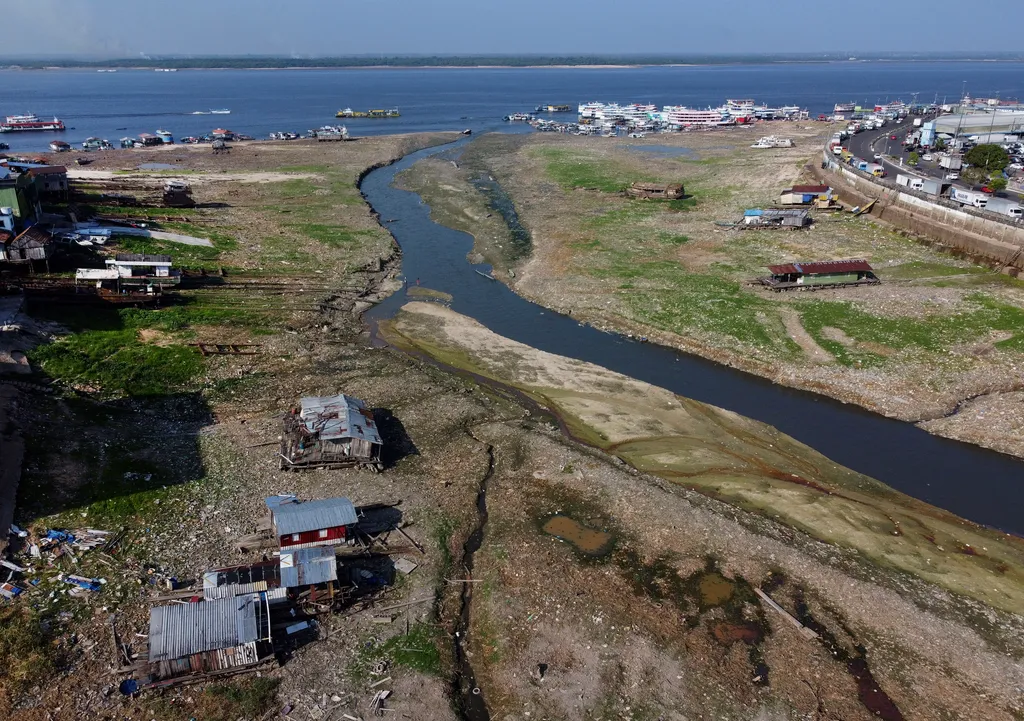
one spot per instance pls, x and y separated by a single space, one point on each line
586 540
156 166
715 589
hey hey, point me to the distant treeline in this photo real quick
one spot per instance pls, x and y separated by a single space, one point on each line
406 61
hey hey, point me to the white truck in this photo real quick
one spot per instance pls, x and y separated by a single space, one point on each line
917 122
968 197
1004 206
950 162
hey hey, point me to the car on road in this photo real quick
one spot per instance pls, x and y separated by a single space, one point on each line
986 189
927 156
952 176
878 156
892 137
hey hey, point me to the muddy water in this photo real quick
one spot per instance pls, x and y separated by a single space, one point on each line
981 485
715 589
586 540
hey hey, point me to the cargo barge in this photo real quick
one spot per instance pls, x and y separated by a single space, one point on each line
23 123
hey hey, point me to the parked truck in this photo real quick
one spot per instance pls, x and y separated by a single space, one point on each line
917 122
968 197
950 162
1004 206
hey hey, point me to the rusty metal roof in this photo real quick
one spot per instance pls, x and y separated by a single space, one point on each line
809 189
186 628
295 516
48 170
308 566
339 417
824 266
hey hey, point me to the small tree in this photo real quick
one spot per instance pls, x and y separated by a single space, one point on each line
989 157
940 144
997 183
913 159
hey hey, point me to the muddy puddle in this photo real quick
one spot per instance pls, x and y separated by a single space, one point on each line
586 540
715 589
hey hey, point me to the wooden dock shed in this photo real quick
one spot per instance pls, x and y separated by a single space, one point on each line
657 191
822 274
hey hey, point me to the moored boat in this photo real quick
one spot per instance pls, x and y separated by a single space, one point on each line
20 123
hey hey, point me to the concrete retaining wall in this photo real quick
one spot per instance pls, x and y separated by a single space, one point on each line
994 240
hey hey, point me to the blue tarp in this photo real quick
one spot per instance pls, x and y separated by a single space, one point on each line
755 212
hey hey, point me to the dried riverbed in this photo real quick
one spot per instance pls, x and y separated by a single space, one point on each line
937 344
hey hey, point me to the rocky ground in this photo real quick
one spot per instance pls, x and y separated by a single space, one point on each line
939 336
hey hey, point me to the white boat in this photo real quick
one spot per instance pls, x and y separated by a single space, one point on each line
220 112
770 141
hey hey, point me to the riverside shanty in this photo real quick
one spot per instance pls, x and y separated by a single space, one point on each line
330 432
823 274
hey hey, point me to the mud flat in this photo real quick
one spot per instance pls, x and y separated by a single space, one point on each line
939 337
667 620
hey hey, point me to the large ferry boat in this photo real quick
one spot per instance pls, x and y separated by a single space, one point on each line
15 123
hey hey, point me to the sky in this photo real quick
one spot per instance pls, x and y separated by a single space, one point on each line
303 28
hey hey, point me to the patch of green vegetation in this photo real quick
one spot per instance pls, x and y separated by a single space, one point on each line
249 698
227 387
333 236
304 169
935 333
294 189
118 363
184 256
28 655
676 300
179 317
416 650
137 212
921 269
670 239
573 170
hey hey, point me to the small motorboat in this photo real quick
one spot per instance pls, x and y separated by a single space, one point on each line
467 131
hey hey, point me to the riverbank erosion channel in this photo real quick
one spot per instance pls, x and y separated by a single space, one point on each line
938 343
594 545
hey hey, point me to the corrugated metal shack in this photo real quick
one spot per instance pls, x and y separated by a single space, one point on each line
330 432
34 244
308 567
264 576
661 191
200 638
792 219
805 194
306 524
824 274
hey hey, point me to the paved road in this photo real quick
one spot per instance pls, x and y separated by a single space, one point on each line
865 145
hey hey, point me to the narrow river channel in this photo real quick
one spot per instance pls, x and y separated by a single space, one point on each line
977 484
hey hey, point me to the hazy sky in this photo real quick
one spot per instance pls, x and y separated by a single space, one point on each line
126 28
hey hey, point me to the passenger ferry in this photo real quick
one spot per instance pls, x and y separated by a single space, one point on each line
18 123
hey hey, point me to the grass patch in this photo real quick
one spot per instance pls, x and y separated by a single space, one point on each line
333 236
118 363
573 170
936 334
179 317
920 269
416 650
27 653
184 256
250 698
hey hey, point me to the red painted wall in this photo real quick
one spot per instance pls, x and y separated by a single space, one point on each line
337 533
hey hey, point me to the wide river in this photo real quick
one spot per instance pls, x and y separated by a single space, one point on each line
129 102
980 485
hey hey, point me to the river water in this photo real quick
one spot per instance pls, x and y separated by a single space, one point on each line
129 102
983 486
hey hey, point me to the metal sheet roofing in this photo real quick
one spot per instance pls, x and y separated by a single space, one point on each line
140 258
338 417
212 593
300 516
825 266
187 628
308 566
810 189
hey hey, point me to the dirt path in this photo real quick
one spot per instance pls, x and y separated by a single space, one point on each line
800 336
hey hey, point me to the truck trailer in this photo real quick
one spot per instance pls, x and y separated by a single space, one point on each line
968 197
